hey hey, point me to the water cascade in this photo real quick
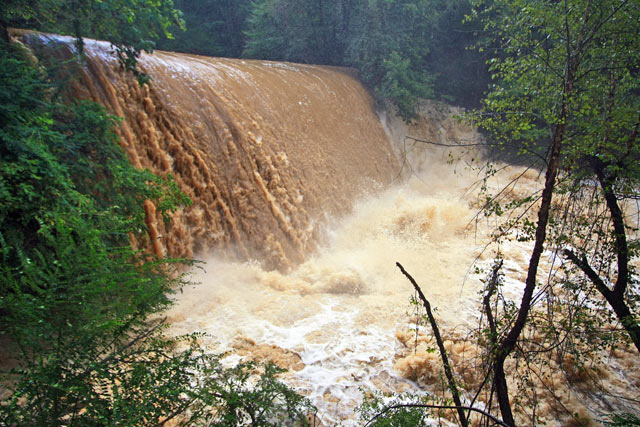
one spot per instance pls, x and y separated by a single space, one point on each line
262 148
300 215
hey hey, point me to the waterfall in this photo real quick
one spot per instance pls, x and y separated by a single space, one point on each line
265 150
303 199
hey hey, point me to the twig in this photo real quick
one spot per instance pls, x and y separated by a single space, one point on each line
443 352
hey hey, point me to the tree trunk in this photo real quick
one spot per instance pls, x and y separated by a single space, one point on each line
507 345
615 297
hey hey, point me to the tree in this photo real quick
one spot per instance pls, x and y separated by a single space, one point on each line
568 83
307 31
213 28
266 35
390 50
461 73
73 289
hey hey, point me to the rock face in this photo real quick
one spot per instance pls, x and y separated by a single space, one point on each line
265 150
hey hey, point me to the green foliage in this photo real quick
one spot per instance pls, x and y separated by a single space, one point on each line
623 420
377 403
403 85
391 49
589 52
145 381
461 72
246 394
132 382
530 72
130 25
213 28
307 31
565 91
73 289
265 36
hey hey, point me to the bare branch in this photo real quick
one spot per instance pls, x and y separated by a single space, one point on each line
443 352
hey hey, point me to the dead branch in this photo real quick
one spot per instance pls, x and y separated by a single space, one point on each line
443 352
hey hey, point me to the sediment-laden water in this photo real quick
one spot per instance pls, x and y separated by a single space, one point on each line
303 201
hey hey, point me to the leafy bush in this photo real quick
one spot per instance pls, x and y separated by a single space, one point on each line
76 298
623 420
394 410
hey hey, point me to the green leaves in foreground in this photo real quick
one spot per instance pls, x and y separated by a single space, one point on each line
396 410
246 394
146 381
